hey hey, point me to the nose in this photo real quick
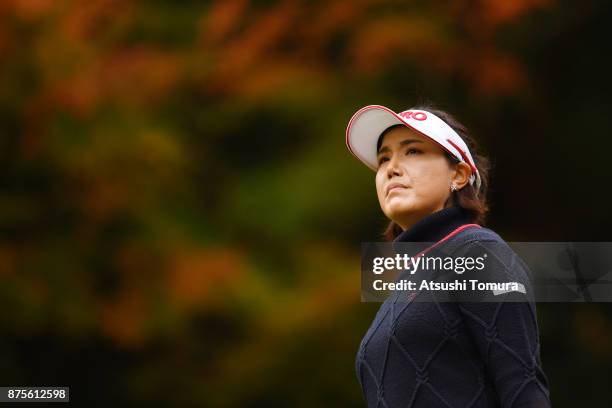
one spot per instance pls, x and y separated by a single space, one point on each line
393 168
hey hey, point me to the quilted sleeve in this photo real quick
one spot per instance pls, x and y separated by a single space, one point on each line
505 331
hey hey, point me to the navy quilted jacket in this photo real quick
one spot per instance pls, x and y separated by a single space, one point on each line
459 354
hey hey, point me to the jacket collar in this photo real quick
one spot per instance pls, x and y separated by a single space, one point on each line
435 226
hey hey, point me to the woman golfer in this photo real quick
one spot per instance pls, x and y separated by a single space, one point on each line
432 186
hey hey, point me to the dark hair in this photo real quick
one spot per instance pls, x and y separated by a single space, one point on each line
466 198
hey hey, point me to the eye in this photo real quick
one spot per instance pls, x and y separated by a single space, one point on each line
382 160
413 150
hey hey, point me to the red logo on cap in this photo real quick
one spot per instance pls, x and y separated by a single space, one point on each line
413 115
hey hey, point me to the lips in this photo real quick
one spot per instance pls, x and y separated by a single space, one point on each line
395 186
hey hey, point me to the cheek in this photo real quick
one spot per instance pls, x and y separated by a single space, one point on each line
379 180
432 180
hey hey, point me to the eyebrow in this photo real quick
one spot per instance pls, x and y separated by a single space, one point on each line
405 142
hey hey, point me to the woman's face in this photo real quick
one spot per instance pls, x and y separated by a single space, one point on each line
414 176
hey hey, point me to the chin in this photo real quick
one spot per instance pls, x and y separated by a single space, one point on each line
398 211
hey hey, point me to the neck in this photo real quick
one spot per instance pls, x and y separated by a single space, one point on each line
413 218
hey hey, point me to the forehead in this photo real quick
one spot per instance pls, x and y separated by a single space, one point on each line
393 137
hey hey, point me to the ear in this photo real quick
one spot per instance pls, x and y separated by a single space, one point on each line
460 175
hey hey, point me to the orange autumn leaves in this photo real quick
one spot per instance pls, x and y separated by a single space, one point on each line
456 40
197 277
84 59
191 279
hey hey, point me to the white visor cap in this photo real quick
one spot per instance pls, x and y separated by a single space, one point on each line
369 122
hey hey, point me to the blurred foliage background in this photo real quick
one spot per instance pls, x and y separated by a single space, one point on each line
180 219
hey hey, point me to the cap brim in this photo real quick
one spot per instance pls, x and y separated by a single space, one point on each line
364 129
